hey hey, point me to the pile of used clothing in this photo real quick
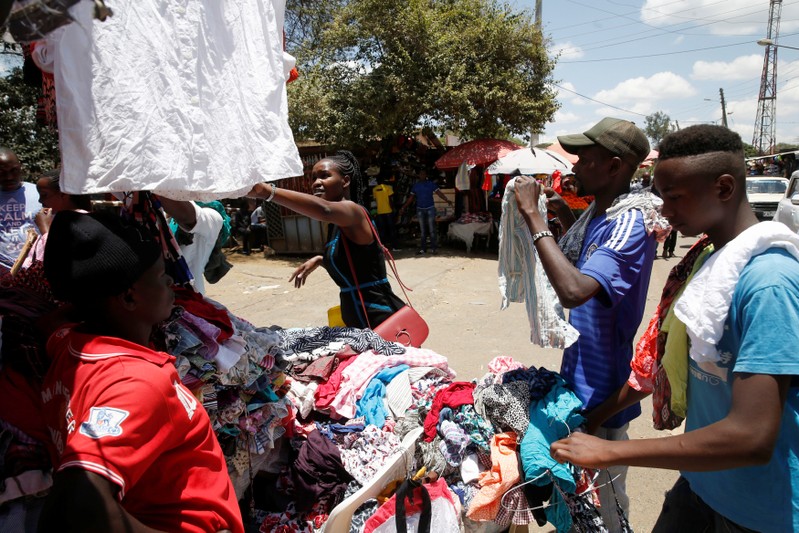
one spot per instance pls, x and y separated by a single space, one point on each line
487 439
307 417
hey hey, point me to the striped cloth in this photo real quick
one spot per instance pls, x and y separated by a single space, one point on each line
522 277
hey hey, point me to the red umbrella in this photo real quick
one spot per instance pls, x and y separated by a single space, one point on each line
478 152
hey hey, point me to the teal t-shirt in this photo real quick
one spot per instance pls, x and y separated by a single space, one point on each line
761 336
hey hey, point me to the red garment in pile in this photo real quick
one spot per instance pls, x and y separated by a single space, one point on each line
457 394
327 391
194 303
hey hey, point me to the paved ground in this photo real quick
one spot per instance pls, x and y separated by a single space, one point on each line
457 295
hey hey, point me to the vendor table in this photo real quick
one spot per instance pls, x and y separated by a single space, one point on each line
466 232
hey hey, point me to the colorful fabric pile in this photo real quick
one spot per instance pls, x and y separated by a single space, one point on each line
469 218
488 441
307 417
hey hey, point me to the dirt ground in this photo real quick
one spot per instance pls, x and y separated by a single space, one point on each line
457 294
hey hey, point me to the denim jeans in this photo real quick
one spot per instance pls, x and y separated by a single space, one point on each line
427 225
684 511
608 495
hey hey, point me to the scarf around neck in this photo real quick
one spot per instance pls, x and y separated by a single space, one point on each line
571 244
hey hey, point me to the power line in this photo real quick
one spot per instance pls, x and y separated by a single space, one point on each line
597 101
654 55
648 34
613 16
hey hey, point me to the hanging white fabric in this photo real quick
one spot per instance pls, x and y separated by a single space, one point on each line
186 98
462 177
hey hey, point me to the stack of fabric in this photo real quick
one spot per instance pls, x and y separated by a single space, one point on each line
350 391
490 441
25 467
320 411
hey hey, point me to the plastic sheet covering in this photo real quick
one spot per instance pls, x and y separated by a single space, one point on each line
186 98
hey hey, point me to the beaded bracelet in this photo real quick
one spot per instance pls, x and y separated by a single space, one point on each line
542 234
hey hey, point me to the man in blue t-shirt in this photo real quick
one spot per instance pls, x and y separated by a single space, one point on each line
739 455
600 270
422 191
19 204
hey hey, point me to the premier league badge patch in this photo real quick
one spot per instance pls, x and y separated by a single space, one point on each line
103 422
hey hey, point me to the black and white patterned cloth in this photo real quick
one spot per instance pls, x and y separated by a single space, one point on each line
506 406
306 340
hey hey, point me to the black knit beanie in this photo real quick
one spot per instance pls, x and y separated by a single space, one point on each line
92 256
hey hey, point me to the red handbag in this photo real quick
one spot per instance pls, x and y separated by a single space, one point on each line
406 326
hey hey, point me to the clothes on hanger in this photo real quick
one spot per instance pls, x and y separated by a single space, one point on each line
203 114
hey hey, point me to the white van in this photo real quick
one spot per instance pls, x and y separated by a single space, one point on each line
788 207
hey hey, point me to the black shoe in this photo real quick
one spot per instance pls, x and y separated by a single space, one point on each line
420 252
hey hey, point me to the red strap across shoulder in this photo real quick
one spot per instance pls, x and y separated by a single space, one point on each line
389 257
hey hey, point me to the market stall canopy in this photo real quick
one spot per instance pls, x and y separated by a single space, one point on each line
530 161
558 149
477 152
650 159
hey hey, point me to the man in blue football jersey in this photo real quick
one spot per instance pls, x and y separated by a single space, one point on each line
600 270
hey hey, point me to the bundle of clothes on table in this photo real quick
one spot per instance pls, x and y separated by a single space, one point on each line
487 441
306 417
471 218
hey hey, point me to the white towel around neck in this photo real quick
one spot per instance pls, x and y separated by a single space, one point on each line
705 303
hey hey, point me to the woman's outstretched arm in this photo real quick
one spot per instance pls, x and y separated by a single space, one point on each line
345 214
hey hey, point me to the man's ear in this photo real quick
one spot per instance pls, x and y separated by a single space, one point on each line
726 187
127 299
616 165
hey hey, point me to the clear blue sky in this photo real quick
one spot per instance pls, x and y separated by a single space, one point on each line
631 58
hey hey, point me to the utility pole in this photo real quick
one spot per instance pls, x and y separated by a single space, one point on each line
539 22
723 109
765 122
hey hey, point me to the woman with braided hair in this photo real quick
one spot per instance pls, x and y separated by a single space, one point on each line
336 190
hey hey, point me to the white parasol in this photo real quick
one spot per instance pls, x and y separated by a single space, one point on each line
530 161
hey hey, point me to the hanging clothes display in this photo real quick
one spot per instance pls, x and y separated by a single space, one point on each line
187 99
522 278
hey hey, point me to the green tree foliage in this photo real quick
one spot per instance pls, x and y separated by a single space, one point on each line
786 147
380 67
306 20
657 126
36 146
749 150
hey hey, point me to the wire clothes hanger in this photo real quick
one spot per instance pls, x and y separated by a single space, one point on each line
548 472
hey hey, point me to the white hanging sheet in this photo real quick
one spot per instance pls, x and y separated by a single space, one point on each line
186 98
